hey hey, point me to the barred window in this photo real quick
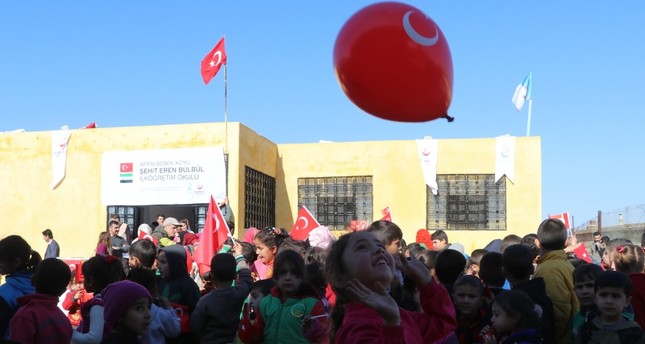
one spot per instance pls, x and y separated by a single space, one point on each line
259 199
337 201
128 214
467 202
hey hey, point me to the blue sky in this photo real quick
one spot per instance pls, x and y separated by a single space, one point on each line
132 63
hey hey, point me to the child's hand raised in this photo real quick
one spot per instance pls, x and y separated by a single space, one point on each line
377 299
416 270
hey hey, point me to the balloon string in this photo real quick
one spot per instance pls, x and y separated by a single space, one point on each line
449 118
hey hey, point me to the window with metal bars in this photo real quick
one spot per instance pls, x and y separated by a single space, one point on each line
259 199
128 214
337 201
467 202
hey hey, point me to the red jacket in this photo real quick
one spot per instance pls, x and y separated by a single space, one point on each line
363 324
39 320
638 297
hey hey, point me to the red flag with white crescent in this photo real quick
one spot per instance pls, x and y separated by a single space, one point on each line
213 61
564 217
582 253
304 224
213 237
387 215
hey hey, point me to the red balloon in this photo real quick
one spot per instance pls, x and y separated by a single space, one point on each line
393 61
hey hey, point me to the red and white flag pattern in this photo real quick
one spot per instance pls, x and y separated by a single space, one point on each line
213 61
304 224
387 215
564 217
213 237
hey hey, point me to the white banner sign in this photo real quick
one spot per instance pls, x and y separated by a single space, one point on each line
164 176
428 157
505 157
60 139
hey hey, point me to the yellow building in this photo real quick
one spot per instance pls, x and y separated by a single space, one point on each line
265 183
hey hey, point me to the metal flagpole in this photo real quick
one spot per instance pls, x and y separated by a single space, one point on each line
528 123
225 110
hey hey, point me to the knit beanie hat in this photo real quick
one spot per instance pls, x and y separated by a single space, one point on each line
118 297
424 237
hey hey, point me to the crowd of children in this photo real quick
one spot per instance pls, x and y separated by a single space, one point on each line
363 287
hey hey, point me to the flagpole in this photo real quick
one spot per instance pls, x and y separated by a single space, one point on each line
225 109
528 123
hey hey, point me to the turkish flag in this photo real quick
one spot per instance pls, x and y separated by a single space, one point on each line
213 237
387 215
126 167
564 217
582 253
213 61
305 223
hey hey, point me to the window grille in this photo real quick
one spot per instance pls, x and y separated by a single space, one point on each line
467 202
259 199
128 214
336 201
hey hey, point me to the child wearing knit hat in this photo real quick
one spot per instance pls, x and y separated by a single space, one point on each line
127 310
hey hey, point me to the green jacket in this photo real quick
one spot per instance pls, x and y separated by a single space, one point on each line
283 320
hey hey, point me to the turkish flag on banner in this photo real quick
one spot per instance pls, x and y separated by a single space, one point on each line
213 61
564 217
305 223
582 253
213 237
387 215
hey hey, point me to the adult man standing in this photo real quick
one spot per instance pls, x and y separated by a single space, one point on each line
119 244
53 250
166 233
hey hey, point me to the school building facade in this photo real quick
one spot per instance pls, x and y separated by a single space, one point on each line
139 172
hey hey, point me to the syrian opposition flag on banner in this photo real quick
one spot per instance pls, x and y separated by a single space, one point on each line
213 61
387 215
304 224
213 237
522 92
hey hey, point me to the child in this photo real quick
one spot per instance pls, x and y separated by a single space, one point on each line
177 286
76 297
613 290
257 291
630 259
450 266
103 245
439 240
267 241
472 263
216 317
401 288
517 262
389 234
142 254
127 312
584 278
557 273
491 272
359 270
290 313
514 319
429 258
18 261
98 272
164 322
472 309
39 320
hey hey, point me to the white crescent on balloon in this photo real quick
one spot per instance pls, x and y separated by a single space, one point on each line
304 219
417 37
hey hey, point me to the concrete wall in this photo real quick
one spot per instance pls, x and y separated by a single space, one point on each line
74 211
